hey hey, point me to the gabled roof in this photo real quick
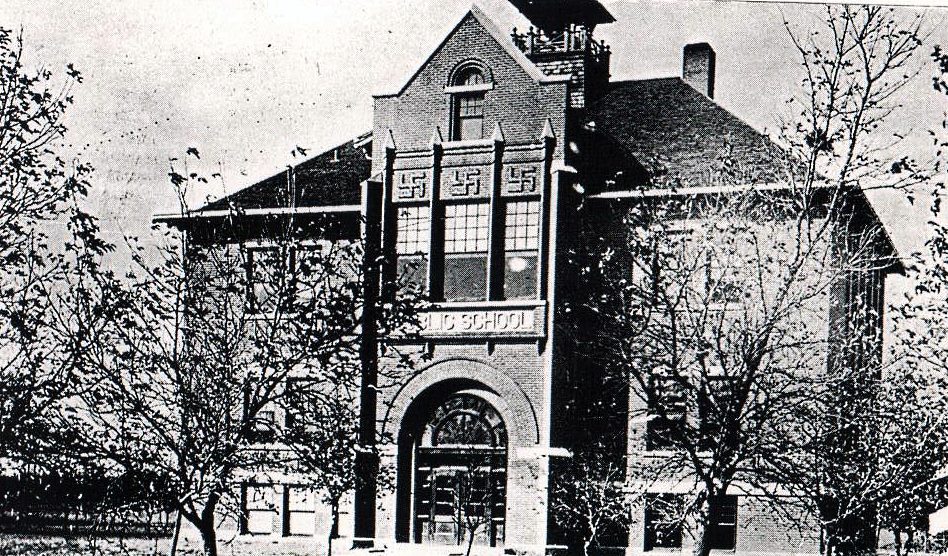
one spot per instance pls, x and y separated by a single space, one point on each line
332 178
679 135
499 36
681 141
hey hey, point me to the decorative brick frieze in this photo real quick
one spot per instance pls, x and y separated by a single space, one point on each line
521 179
468 182
411 185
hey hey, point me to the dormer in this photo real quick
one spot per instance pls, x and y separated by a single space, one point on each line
560 42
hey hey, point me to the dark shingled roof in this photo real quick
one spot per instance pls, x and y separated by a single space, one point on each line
680 136
332 178
659 131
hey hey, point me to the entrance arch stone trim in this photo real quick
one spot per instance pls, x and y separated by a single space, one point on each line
513 404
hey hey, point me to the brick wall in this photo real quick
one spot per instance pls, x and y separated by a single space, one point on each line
761 530
572 65
519 103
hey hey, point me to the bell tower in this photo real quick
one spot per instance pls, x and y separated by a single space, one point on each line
560 42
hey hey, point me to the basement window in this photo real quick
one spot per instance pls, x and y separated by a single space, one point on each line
723 522
301 511
663 521
260 511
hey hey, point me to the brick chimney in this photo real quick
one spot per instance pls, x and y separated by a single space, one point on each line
698 67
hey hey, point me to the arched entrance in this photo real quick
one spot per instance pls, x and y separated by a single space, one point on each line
458 451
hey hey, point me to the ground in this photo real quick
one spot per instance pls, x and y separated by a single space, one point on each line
19 545
23 545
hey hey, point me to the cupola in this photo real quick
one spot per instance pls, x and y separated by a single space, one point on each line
560 42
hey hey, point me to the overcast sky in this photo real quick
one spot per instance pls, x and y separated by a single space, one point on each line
246 81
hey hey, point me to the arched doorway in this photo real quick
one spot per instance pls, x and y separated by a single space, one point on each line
459 474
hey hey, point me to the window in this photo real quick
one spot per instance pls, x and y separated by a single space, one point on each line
668 406
466 229
722 279
714 412
307 265
300 404
521 244
723 522
468 107
301 511
663 521
411 245
469 119
263 427
260 510
265 274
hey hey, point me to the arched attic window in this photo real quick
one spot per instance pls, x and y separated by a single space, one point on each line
468 85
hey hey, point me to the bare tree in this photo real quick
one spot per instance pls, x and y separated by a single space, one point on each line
914 452
715 306
189 357
38 187
594 497
321 434
474 501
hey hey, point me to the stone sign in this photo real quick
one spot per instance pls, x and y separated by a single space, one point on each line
490 321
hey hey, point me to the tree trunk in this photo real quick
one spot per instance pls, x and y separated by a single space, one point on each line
207 526
470 542
703 534
209 538
471 530
175 535
898 542
587 543
334 527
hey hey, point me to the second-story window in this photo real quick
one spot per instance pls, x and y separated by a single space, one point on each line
466 227
468 122
411 246
668 407
521 246
307 265
266 270
716 413
299 406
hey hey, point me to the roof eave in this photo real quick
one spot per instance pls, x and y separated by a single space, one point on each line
174 219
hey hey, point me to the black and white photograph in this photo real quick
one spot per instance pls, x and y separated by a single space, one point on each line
473 278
